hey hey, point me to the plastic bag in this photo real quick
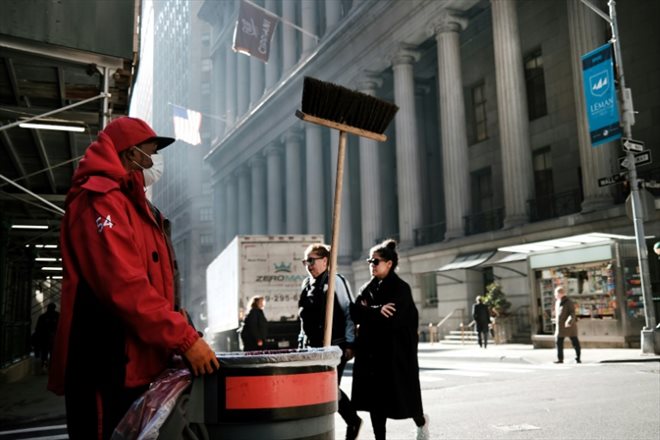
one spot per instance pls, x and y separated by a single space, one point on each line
148 413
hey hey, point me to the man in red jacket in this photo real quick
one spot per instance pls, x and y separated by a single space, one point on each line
118 327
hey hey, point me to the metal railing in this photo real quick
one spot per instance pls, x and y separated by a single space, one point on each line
554 205
437 331
484 221
433 233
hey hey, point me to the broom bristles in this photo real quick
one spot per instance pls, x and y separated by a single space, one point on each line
337 103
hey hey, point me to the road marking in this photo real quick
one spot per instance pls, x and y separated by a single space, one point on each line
516 428
53 437
39 428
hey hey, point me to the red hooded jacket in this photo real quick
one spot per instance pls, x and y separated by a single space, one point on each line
118 276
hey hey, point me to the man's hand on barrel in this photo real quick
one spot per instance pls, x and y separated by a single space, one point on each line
201 358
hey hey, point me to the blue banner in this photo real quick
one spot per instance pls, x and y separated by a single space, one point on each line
600 95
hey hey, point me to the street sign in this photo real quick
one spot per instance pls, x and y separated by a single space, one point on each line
615 178
643 158
633 145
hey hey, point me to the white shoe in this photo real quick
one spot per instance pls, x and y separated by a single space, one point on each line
423 431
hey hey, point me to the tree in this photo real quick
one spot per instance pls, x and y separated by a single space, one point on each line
496 300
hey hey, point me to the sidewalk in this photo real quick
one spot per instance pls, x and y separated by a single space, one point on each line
526 353
28 401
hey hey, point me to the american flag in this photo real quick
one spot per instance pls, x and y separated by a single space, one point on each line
186 125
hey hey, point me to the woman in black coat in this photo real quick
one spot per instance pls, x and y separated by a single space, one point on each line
255 328
386 371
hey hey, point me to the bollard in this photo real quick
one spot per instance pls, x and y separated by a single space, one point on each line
274 395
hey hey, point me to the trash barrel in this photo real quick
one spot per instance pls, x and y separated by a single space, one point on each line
274 395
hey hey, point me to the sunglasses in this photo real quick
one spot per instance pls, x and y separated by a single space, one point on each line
310 261
374 261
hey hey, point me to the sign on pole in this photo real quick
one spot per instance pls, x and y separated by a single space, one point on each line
643 158
632 145
611 180
600 95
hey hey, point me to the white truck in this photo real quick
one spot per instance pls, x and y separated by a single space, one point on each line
266 265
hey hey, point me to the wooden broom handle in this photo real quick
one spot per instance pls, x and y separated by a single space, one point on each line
334 246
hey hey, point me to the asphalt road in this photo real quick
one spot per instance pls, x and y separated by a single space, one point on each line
512 397
519 400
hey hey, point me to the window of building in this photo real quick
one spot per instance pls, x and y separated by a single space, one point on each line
429 287
206 240
543 183
482 190
535 82
479 112
206 214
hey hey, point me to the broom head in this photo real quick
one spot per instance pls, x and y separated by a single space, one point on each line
344 107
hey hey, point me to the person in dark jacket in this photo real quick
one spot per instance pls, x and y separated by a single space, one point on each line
386 370
312 314
45 332
255 327
565 325
481 316
118 328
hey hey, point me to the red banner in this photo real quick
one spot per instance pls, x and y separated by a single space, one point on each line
254 31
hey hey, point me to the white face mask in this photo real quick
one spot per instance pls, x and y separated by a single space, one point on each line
153 173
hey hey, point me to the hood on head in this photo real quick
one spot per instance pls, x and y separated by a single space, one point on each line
126 132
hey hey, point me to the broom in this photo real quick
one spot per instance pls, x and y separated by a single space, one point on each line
348 111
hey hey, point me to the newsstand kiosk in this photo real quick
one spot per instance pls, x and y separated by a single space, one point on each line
601 275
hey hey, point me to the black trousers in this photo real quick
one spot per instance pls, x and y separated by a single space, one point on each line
346 410
93 412
560 347
482 332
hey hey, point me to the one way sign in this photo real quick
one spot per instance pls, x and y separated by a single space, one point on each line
611 180
642 158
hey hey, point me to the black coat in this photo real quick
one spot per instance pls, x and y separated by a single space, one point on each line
481 316
386 371
255 328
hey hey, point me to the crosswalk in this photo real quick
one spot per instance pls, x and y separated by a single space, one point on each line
51 432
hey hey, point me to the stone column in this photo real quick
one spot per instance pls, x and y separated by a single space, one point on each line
289 46
586 31
308 12
272 67
219 213
256 80
219 94
346 231
455 165
332 14
243 202
294 213
258 172
275 188
314 180
512 114
242 85
230 85
370 185
231 216
407 154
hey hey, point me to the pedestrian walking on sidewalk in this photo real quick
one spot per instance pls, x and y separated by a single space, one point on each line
255 326
312 314
565 325
386 370
481 316
44 333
